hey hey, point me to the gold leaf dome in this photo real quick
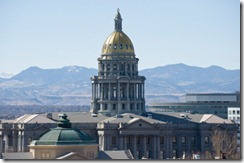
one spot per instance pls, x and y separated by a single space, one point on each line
117 42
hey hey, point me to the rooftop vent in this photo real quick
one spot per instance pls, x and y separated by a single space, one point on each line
183 116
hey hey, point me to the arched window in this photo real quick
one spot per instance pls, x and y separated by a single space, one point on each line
108 67
115 46
126 46
128 67
103 67
121 46
115 67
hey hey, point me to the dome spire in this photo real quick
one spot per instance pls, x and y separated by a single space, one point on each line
118 21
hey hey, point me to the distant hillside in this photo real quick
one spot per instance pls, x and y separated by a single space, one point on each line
71 85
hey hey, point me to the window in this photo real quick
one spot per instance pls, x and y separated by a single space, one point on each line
206 140
114 106
45 155
105 106
183 140
148 140
115 67
115 46
174 140
234 112
138 140
193 140
128 140
123 106
161 140
121 46
126 46
113 140
238 112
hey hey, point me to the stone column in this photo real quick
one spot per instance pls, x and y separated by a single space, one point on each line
134 147
6 140
121 142
23 142
14 136
125 143
157 147
109 91
144 146
1 144
154 147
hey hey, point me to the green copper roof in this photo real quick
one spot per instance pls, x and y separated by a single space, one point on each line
64 135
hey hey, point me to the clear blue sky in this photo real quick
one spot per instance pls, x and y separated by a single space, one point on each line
57 33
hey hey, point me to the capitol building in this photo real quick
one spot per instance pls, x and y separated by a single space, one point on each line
117 124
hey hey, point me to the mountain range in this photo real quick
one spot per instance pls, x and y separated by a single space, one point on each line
71 85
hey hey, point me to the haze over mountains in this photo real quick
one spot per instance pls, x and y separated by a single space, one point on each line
71 85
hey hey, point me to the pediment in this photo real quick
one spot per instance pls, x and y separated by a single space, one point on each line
41 127
139 124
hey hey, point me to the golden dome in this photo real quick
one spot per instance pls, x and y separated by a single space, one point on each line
117 42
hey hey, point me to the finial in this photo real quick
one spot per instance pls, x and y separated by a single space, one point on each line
118 21
63 121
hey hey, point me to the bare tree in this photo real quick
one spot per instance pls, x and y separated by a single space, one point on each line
224 143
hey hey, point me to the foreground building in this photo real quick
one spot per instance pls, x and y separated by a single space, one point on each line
153 135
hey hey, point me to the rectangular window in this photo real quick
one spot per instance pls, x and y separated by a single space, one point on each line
114 106
161 140
148 140
183 140
138 140
123 106
113 140
128 140
45 155
193 140
206 140
174 140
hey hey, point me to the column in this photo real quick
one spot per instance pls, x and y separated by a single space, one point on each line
14 141
158 147
23 142
5 138
144 145
121 142
125 143
127 91
143 91
118 91
109 92
154 147
19 141
134 147
1 144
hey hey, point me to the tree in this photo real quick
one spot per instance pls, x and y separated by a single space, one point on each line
224 143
